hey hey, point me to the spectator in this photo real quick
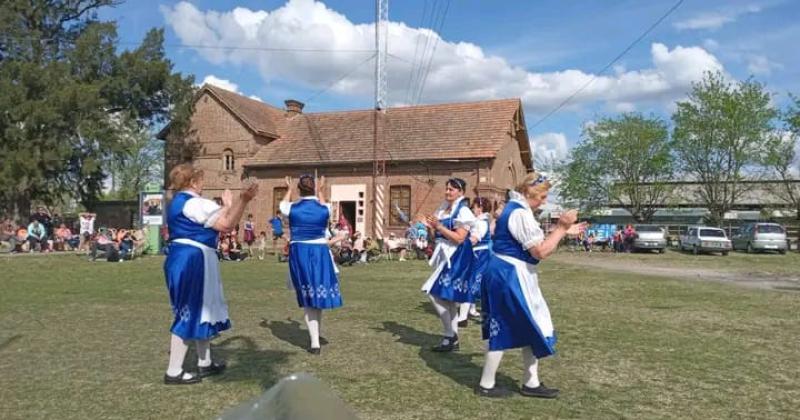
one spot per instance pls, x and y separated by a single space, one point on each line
126 247
37 236
629 234
371 250
62 239
22 239
261 245
276 225
102 243
588 242
235 252
396 246
249 231
8 236
43 217
86 229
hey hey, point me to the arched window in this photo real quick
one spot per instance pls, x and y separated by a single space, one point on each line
227 160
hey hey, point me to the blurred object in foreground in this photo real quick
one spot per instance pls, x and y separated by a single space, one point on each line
296 397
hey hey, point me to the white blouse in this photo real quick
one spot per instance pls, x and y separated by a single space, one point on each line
464 219
201 210
522 225
481 226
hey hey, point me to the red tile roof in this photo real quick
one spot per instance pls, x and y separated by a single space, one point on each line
426 132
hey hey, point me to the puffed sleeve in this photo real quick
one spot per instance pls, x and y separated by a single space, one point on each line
465 219
524 228
285 207
481 227
202 211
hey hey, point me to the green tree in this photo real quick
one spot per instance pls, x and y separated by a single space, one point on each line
782 161
623 161
67 94
140 163
720 131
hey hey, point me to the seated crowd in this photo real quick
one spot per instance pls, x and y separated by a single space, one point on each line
45 233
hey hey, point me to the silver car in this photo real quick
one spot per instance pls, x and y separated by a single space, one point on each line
754 237
650 237
705 239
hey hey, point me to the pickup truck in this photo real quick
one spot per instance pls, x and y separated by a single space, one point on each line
705 239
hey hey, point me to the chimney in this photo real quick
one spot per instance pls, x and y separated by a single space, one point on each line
293 107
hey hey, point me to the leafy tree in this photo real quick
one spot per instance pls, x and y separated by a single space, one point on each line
719 134
624 161
67 94
782 160
140 163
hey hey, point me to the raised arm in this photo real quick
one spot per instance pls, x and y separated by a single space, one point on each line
288 195
321 189
232 210
566 226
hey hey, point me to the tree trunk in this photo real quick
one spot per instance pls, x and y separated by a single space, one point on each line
22 209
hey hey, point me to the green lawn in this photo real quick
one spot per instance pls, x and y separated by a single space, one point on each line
89 340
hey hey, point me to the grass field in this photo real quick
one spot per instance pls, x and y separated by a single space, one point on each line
89 340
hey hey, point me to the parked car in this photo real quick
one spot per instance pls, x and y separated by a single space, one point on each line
754 237
705 239
650 237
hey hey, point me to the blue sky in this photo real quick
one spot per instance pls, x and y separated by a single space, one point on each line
540 51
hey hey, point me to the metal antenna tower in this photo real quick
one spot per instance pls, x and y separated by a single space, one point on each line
379 162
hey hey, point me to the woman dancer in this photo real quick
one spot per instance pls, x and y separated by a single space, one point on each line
480 237
311 267
192 270
450 283
514 312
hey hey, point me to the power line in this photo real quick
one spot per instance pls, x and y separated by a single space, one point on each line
592 79
342 77
416 51
433 52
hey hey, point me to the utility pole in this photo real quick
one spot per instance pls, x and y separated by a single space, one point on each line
378 161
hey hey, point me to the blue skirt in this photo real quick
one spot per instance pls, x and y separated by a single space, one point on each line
507 319
454 283
184 269
313 276
481 262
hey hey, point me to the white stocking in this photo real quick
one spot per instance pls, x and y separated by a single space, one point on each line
454 317
490 366
313 318
463 311
443 310
203 353
177 352
531 367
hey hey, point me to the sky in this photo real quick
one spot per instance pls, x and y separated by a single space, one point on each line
541 51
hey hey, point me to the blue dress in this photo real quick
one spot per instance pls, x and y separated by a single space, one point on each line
311 266
514 311
453 278
192 273
482 250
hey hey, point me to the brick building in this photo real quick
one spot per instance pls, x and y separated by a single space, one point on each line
234 138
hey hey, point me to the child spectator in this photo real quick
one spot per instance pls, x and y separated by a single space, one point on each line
261 245
249 231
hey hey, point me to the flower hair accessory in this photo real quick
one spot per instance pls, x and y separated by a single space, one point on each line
538 180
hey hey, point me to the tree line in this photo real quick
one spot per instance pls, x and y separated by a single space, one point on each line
724 133
75 108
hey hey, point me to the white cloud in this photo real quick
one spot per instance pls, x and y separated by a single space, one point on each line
256 98
223 83
459 71
549 146
761 65
716 19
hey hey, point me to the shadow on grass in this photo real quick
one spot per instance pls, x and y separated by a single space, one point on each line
247 362
290 332
456 366
9 341
427 306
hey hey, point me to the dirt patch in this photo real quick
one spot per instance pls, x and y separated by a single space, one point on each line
753 279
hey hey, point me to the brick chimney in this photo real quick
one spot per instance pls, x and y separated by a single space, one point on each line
293 107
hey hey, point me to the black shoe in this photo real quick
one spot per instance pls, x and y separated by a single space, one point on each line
494 392
180 380
463 324
448 344
314 350
213 369
540 391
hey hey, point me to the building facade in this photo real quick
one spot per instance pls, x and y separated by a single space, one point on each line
379 165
